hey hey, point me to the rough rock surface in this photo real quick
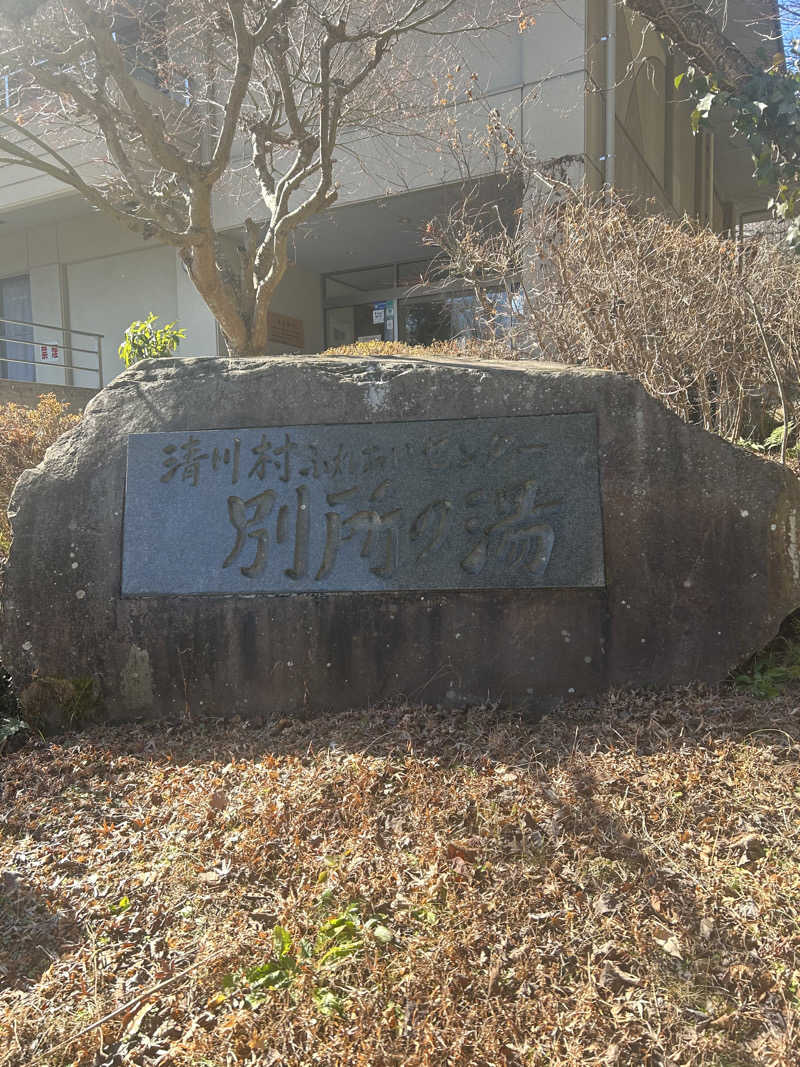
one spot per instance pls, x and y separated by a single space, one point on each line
700 540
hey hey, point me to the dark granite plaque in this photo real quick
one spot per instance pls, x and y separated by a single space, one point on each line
507 503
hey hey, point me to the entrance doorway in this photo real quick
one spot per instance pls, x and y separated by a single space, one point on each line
371 321
393 303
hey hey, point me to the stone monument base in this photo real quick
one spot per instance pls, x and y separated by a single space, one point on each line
280 536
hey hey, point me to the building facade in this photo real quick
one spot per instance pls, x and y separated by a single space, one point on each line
71 280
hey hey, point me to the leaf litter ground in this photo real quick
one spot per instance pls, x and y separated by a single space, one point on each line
617 884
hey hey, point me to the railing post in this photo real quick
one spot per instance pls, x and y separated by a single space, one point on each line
100 360
66 323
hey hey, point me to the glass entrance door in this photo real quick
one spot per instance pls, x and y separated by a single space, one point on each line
399 303
372 321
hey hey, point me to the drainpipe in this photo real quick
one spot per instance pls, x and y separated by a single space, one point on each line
611 92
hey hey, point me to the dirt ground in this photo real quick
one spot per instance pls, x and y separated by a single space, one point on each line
616 884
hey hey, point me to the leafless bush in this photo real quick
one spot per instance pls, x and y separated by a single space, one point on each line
709 325
706 324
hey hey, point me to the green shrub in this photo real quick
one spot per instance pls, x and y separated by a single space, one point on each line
144 340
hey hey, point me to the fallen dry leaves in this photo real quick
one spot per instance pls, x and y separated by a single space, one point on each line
619 884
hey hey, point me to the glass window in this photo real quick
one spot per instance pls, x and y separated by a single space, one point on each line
374 322
139 28
413 273
339 326
443 317
353 282
360 322
16 341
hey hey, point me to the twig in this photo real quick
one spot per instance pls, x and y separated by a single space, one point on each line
125 1007
773 367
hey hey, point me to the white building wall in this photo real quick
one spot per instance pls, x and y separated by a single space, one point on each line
50 344
20 185
110 292
28 252
535 80
13 253
193 317
110 278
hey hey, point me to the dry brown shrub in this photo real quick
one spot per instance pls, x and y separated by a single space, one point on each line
709 325
457 348
25 436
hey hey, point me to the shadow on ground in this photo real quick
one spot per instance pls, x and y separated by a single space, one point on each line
35 929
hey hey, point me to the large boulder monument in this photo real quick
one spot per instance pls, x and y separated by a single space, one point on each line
287 535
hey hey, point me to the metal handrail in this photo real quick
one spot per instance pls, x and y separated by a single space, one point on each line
48 326
35 344
66 332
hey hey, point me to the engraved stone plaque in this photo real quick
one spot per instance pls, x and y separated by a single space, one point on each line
506 503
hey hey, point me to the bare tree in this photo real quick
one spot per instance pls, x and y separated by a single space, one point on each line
180 93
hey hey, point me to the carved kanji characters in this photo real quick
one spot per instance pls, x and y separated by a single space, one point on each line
432 522
263 454
284 464
381 532
302 525
436 451
519 539
251 527
223 457
254 526
189 462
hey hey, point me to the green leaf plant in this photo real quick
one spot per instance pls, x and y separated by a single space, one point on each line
764 112
144 340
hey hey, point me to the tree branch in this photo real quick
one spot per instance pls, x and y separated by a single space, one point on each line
68 175
696 34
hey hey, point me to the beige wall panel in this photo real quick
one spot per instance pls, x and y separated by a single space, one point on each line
497 58
42 245
683 159
299 295
89 236
555 44
22 186
13 253
46 308
193 317
554 117
109 293
594 106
